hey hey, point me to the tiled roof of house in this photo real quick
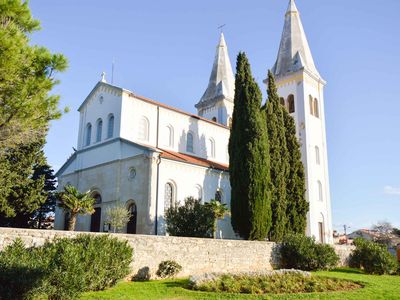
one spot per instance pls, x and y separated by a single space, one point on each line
167 154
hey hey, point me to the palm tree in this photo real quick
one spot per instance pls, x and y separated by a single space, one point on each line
76 203
219 211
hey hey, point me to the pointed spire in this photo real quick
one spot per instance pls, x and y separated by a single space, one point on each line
294 51
292 8
222 83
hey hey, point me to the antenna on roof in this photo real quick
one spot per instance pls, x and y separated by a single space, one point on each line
221 27
112 71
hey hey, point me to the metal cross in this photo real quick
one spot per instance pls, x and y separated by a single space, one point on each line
222 26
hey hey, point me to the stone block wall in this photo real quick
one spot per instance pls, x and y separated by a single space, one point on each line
197 256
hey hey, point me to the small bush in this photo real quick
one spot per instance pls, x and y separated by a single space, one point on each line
301 252
374 258
193 219
64 268
275 282
168 268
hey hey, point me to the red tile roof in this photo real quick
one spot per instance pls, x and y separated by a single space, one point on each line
167 154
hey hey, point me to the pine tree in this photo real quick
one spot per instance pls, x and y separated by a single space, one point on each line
249 158
26 78
279 160
298 205
20 192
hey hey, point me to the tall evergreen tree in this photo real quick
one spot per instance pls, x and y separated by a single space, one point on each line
20 192
279 160
297 205
26 78
249 158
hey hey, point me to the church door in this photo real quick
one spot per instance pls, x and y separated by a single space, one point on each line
95 220
131 227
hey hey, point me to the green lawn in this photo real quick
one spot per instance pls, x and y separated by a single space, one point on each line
375 287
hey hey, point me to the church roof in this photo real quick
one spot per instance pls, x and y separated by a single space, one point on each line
294 52
177 156
222 83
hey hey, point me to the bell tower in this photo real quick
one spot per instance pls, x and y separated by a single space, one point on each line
217 101
301 88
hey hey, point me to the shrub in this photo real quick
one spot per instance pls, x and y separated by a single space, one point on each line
274 282
301 252
193 219
168 268
374 258
64 268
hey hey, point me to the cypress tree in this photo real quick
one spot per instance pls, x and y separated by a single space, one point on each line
298 206
249 158
279 160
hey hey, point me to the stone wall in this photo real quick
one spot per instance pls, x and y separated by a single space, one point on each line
197 256
344 252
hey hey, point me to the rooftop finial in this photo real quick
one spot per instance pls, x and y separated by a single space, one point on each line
221 27
103 77
292 8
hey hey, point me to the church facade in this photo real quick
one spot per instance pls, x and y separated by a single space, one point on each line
151 156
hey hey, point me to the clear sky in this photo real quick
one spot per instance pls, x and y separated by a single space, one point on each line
164 50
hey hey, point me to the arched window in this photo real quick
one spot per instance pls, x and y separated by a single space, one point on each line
198 193
282 100
131 226
88 134
211 148
214 119
218 196
143 129
169 196
311 102
321 229
170 136
189 142
291 104
320 191
99 129
316 109
110 127
317 157
95 218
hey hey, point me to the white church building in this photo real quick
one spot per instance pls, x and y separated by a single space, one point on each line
151 156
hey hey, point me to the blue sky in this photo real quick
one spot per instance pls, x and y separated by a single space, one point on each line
164 50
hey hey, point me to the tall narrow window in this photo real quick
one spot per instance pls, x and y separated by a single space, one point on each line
211 148
88 134
131 226
218 196
99 130
316 108
143 129
321 232
170 136
311 105
291 104
189 142
317 157
110 127
168 195
320 191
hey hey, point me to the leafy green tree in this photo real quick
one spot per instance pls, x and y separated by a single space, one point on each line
297 204
249 158
279 156
118 216
75 203
21 190
26 78
192 219
219 210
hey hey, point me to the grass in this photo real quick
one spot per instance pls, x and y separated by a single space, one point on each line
375 287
